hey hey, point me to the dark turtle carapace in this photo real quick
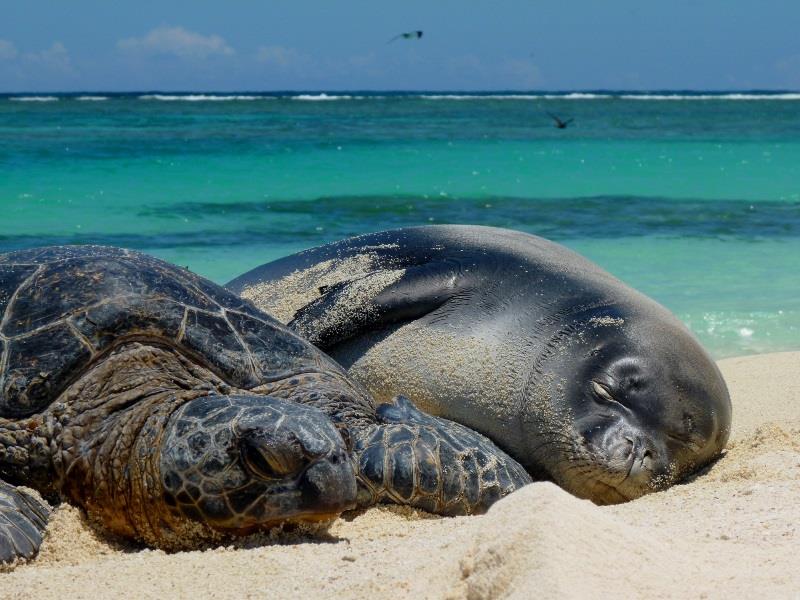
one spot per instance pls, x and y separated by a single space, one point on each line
177 414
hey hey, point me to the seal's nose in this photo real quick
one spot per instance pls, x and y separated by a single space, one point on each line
642 464
643 459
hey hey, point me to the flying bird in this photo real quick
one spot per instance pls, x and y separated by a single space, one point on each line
411 35
559 123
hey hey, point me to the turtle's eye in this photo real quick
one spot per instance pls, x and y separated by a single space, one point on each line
270 460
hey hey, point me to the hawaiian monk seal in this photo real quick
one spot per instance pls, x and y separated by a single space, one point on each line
582 379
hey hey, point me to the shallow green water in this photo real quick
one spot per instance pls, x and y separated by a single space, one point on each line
694 201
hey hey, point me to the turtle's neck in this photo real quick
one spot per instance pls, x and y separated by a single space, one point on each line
341 398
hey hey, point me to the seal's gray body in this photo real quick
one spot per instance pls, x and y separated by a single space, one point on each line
579 377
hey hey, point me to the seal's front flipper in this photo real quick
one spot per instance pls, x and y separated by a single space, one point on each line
23 519
431 463
349 308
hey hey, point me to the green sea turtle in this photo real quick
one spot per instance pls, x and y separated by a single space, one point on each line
177 414
580 378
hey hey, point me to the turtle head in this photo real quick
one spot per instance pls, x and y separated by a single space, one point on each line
238 464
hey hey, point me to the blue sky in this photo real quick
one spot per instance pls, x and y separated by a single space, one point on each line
78 45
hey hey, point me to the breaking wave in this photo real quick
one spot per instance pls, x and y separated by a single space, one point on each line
34 99
200 97
785 96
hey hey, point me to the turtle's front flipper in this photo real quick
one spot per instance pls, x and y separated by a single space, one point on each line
23 518
431 463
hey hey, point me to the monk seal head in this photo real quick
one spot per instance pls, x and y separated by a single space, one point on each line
633 404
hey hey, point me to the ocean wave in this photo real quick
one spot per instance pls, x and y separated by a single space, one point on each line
34 99
786 96
576 96
602 96
478 96
324 97
570 96
91 98
200 97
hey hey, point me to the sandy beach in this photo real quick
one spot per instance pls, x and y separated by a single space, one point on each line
732 531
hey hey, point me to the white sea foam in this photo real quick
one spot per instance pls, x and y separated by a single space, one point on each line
34 99
478 96
786 96
200 97
570 96
595 96
576 96
324 97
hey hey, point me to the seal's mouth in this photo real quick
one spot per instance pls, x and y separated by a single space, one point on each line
615 460
599 480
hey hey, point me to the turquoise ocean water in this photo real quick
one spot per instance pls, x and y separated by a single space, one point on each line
692 198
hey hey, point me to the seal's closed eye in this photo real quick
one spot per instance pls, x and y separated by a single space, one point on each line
602 392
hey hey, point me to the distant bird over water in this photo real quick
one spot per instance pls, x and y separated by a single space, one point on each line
411 35
559 123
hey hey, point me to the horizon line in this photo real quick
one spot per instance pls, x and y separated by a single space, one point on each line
535 92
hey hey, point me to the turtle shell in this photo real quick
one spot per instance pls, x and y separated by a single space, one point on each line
63 308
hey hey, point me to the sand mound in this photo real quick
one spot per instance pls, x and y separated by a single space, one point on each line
732 531
543 539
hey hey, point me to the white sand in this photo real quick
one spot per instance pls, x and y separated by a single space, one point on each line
733 532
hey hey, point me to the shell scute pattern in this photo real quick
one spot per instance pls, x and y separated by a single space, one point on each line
62 288
276 352
11 277
62 307
230 302
169 281
101 324
35 367
211 335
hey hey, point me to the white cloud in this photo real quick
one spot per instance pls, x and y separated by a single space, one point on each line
177 41
7 50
